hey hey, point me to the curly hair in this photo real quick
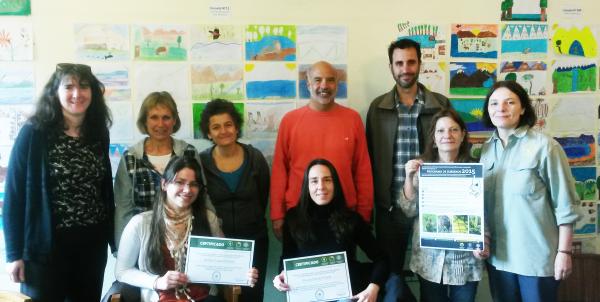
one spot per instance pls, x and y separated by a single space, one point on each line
220 106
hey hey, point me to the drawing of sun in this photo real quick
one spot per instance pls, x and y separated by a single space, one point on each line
489 67
476 113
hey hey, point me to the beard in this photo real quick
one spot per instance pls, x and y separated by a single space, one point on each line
409 84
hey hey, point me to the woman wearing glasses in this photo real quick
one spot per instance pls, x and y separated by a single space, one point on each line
58 205
152 252
238 184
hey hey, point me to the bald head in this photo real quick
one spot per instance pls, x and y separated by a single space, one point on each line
322 84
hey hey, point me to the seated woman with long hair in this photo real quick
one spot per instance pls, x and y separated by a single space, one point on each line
321 223
156 240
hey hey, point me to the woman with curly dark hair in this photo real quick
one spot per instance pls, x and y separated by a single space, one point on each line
58 205
322 223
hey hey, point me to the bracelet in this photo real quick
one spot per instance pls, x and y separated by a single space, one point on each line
570 253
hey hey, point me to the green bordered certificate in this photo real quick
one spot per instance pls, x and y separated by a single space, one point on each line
219 260
322 277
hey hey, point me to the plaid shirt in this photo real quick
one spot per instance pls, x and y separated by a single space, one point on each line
407 139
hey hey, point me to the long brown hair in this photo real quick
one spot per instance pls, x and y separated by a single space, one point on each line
431 153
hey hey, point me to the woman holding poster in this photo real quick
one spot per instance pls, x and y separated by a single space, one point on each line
530 200
444 275
321 223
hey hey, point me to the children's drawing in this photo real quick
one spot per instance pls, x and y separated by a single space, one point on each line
531 75
574 76
115 151
217 81
524 10
471 111
474 41
262 118
115 78
15 7
271 42
16 83
102 42
433 75
16 41
216 43
586 226
12 118
342 86
573 114
432 38
160 42
574 41
198 108
580 149
541 112
322 43
524 40
471 78
173 78
585 182
270 80
122 127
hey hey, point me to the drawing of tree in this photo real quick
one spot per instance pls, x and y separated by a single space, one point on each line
179 41
529 78
221 86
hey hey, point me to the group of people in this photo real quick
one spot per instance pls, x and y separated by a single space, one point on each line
327 176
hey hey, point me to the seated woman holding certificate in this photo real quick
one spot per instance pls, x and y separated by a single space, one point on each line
444 275
157 240
321 223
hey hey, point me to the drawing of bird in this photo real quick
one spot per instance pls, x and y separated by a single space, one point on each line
215 33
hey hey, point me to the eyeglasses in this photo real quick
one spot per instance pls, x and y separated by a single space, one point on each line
73 66
182 184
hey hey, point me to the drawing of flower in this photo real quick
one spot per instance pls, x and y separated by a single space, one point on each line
5 39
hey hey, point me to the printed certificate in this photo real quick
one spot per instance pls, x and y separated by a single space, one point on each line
322 277
451 206
219 260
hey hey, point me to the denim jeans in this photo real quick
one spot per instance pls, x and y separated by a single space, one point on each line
510 287
437 292
396 290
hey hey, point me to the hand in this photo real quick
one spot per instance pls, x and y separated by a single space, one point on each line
171 279
369 294
563 266
279 283
252 276
16 271
482 255
412 166
278 228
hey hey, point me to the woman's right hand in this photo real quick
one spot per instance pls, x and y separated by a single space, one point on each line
412 166
16 271
279 283
171 279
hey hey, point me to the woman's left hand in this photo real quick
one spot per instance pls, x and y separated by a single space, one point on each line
252 276
485 253
369 294
562 266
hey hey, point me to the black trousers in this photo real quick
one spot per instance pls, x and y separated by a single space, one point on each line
261 254
75 271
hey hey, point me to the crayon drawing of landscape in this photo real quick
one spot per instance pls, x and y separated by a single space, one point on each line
580 149
433 75
160 42
573 114
342 77
217 81
523 10
471 111
531 75
12 118
102 42
198 108
541 107
16 41
524 40
574 41
431 37
216 43
574 76
15 7
270 42
262 118
16 83
586 225
270 80
585 182
471 78
474 41
115 78
320 42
